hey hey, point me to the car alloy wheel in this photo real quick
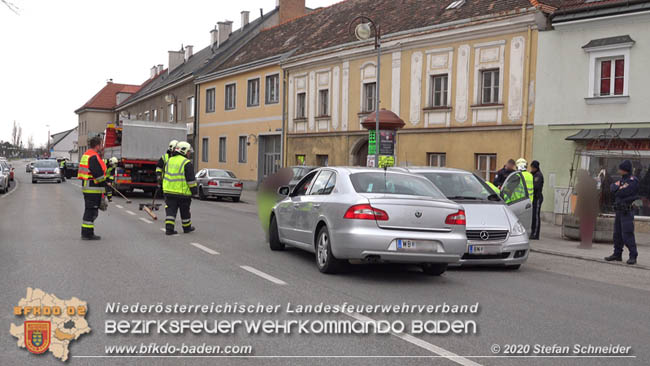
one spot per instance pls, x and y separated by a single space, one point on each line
325 260
323 247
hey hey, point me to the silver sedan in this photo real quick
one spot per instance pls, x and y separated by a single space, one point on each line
218 183
372 215
496 231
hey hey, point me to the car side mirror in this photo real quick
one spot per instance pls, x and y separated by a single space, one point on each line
284 191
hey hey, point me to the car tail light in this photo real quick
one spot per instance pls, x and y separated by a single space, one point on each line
365 212
457 218
213 183
238 185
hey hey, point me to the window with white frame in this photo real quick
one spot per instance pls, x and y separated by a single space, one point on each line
222 149
190 106
437 159
230 96
609 68
369 96
611 76
486 166
209 100
324 102
272 89
253 93
170 112
490 86
243 151
439 90
301 105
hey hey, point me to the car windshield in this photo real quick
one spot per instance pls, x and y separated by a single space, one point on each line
461 186
213 173
46 164
393 183
299 172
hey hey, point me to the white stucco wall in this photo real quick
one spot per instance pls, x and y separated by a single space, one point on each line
563 73
62 149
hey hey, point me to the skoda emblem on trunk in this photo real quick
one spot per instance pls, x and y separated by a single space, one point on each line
418 214
484 235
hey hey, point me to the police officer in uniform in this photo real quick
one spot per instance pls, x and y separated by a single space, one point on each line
162 162
92 173
179 184
625 192
110 177
538 198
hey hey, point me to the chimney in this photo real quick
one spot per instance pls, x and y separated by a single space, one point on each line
244 18
225 28
153 72
290 9
176 59
159 69
214 35
189 51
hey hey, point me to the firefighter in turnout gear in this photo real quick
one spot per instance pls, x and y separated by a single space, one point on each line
179 184
162 162
110 177
522 166
92 173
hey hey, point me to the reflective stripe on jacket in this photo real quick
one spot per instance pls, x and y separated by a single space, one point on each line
84 170
174 181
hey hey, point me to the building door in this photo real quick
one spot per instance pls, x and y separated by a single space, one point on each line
269 155
361 154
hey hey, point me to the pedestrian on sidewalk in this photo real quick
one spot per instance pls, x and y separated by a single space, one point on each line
538 198
625 192
586 207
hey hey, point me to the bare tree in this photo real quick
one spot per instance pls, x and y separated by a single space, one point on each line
14 134
30 143
13 7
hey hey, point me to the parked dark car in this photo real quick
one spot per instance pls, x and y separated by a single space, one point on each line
71 170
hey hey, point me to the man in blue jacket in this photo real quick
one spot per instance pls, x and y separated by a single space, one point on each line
625 192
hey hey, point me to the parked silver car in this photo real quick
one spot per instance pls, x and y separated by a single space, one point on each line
46 170
372 215
5 172
218 183
495 233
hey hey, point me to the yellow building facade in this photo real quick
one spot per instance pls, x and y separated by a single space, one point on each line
465 93
240 121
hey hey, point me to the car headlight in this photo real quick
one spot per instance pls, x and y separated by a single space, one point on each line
35 170
518 229
57 171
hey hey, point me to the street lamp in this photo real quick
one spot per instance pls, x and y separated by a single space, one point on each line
363 31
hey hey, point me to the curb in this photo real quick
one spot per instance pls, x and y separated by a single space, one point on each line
566 255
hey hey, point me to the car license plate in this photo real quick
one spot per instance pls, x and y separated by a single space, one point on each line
476 249
406 244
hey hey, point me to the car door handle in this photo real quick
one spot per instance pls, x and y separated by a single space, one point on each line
316 205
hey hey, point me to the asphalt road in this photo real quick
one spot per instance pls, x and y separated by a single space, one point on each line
551 300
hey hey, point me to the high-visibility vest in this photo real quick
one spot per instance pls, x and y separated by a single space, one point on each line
165 159
89 183
62 164
494 188
528 178
174 179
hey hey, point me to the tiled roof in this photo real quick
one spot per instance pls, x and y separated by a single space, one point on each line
201 60
107 97
328 27
576 5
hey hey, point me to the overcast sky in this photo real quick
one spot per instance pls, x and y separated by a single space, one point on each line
56 54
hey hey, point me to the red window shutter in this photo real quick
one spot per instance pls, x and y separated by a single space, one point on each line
619 73
605 77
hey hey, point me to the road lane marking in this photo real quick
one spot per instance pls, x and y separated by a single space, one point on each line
145 220
162 229
205 249
118 206
420 343
130 212
265 276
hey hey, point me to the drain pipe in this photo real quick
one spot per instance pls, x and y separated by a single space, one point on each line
524 119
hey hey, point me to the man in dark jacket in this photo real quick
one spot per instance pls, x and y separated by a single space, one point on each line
504 172
625 192
92 173
538 198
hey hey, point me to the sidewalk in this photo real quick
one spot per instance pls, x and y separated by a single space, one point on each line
551 242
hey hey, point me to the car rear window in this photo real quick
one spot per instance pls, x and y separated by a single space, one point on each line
394 183
46 164
220 174
458 186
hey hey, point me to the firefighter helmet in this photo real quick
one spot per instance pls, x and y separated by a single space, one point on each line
113 161
172 145
183 148
522 164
